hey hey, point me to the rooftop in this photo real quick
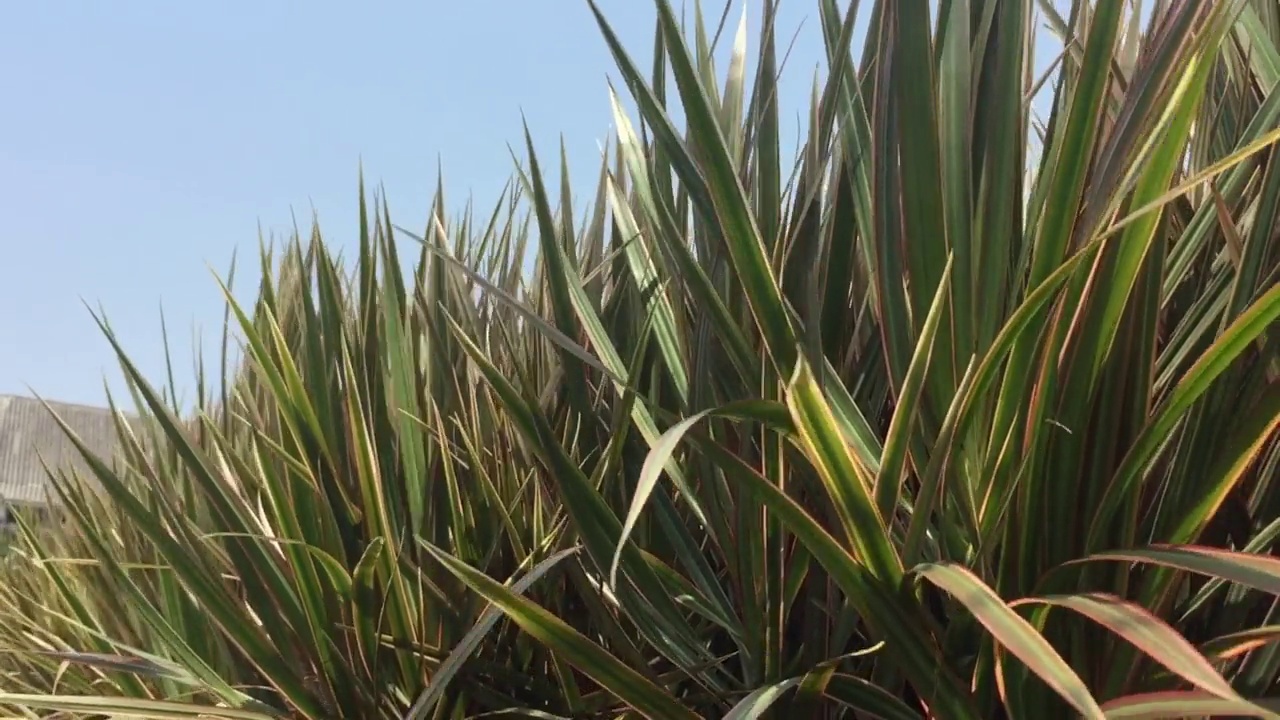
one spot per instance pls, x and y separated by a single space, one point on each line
30 434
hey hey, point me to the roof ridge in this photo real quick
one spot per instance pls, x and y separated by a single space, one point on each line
58 403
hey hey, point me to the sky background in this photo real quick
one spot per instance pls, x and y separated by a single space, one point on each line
146 141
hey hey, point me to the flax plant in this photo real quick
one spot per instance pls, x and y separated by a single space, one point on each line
925 424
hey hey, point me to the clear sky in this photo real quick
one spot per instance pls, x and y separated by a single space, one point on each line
144 141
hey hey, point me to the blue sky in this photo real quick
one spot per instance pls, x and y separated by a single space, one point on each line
146 140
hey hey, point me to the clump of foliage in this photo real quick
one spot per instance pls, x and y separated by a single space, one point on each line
924 427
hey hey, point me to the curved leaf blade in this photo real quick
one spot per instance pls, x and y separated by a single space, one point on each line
1165 705
1013 632
625 683
1149 634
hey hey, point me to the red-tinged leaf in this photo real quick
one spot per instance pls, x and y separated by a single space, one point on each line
1235 644
1256 571
1186 704
1148 633
1013 632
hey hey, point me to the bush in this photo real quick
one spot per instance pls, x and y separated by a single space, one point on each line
926 427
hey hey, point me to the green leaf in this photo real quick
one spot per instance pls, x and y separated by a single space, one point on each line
131 707
444 674
626 684
1244 331
867 697
848 483
758 702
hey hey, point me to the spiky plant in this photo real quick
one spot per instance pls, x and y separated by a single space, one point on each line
933 426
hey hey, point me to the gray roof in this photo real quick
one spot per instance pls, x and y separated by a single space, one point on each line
30 434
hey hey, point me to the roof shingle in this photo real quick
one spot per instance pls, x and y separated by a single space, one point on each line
29 433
